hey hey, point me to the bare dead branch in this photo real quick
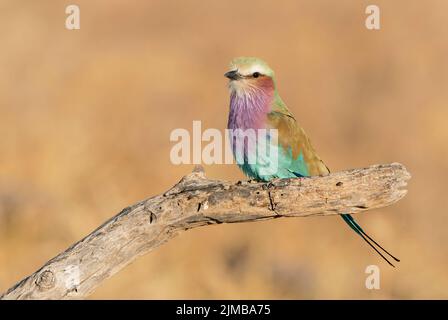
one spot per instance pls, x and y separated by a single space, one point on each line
197 201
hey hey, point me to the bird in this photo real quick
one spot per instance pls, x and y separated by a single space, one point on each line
283 150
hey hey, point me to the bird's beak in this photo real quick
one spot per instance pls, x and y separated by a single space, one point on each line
233 75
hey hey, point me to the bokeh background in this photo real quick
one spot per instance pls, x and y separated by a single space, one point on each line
85 118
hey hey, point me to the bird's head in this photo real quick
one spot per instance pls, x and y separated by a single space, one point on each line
249 74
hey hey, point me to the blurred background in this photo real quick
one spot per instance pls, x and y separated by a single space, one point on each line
85 118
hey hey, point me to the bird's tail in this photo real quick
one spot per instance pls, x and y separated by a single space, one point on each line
355 226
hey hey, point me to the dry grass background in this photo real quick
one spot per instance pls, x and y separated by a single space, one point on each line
85 118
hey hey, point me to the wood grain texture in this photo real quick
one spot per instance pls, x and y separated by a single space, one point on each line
197 201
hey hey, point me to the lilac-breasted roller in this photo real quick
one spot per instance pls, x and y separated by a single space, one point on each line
256 106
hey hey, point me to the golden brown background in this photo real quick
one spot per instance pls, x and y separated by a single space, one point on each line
85 118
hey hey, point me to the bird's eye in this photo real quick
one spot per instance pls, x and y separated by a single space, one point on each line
256 74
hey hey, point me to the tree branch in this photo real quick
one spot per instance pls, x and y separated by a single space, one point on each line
197 201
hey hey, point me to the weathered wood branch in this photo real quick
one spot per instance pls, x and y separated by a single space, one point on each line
197 201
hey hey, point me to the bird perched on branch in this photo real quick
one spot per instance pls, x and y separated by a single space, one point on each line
266 139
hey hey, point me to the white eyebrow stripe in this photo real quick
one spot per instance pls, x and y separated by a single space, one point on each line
253 69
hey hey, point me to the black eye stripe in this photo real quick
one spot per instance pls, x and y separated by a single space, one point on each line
254 75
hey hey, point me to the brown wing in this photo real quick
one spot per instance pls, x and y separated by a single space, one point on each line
291 135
